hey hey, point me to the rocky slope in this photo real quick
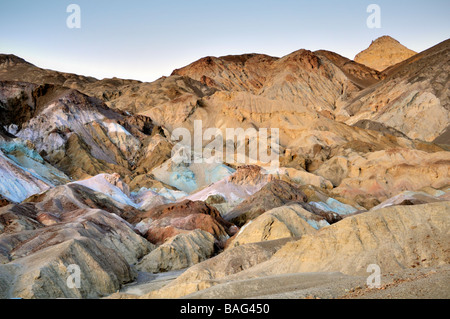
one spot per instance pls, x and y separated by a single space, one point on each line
394 238
413 98
384 52
89 176
297 77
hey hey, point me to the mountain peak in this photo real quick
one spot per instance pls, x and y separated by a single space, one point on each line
383 53
11 59
385 39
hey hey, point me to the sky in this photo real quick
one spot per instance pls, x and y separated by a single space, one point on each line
147 39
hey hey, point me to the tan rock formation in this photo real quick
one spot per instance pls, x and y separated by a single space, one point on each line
412 99
395 238
291 221
383 53
381 175
274 194
209 272
179 252
101 244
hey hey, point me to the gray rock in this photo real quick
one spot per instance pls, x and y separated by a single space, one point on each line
181 251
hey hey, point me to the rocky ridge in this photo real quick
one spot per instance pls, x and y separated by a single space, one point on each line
88 178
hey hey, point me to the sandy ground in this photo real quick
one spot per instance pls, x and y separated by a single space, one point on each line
147 282
411 283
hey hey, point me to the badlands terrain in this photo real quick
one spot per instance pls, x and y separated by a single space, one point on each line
87 178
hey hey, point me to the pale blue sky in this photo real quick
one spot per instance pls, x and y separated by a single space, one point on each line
146 39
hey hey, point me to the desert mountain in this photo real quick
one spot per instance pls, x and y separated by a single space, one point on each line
413 98
383 53
297 77
87 175
344 247
123 126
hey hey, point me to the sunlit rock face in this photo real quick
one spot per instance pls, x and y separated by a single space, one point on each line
384 52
